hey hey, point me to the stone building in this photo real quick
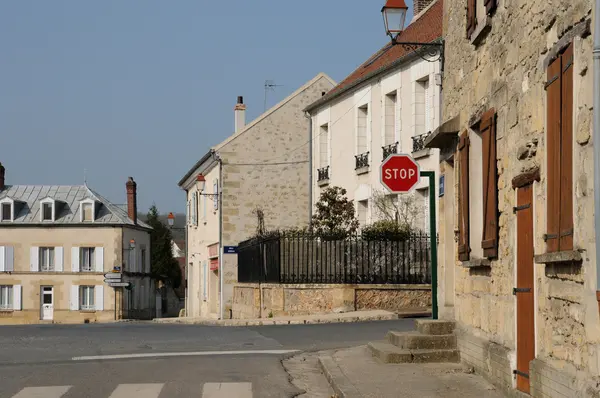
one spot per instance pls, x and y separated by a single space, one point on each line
262 166
516 227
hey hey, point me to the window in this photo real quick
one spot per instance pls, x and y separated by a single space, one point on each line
391 119
559 138
87 259
422 107
361 211
143 259
86 298
324 146
87 210
47 211
216 196
195 208
477 11
6 297
362 145
6 212
46 259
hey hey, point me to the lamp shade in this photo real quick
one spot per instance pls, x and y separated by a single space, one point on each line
171 219
394 16
201 182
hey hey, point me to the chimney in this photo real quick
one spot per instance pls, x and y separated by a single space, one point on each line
2 180
132 199
240 114
420 5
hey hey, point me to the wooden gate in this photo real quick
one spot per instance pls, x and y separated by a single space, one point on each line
525 287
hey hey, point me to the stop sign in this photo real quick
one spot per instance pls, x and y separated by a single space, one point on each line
400 173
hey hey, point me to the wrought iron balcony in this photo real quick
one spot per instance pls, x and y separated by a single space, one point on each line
323 174
419 141
389 149
362 160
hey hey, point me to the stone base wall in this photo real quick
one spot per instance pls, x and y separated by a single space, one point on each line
251 300
60 316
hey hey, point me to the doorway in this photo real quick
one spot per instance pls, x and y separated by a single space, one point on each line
47 294
524 291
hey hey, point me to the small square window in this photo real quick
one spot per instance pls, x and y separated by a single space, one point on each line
47 211
6 211
88 211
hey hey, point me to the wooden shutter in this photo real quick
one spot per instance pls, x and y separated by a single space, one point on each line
9 258
463 198
74 298
34 262
58 259
99 298
471 17
99 253
489 240
559 137
17 306
75 259
566 150
490 5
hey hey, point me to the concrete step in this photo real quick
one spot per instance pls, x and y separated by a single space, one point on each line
416 341
434 327
389 353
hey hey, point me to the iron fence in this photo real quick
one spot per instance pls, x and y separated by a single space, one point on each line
304 258
361 160
419 141
389 149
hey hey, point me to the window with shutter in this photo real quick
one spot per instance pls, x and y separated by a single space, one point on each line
559 92
490 5
489 241
463 198
471 17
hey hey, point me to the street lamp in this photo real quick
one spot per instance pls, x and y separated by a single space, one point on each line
394 19
171 219
202 184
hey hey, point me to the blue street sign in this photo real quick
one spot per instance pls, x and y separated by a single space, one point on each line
442 186
230 249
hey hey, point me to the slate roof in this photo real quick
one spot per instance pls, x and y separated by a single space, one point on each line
425 29
28 207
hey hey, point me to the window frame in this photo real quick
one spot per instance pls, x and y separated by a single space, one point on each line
82 205
87 297
51 257
52 206
11 205
8 297
91 256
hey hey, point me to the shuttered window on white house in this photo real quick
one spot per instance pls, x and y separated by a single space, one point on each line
46 259
361 130
87 259
324 146
428 113
6 297
390 118
86 298
362 207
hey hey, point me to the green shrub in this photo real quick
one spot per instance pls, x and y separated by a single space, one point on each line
386 230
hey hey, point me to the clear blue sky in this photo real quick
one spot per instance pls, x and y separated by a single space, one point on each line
143 88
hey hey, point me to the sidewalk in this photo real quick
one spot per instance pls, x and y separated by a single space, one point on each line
354 373
355 316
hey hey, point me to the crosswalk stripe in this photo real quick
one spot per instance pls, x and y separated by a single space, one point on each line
151 390
43 392
227 390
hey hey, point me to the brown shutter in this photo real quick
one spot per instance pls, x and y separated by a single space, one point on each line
463 198
490 5
471 17
489 240
566 151
553 99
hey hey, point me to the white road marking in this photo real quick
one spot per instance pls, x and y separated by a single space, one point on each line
182 354
43 392
137 390
227 390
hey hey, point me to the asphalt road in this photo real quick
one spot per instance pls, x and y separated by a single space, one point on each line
197 361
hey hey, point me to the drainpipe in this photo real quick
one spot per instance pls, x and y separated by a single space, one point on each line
596 140
220 199
310 170
187 266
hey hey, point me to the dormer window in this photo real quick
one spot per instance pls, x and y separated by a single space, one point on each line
47 210
87 210
6 211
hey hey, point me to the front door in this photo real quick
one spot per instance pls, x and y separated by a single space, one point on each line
47 303
525 288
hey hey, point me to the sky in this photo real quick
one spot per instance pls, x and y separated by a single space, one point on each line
103 90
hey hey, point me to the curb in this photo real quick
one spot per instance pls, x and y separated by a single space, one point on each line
342 386
267 322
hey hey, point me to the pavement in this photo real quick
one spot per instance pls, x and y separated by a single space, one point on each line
353 316
153 360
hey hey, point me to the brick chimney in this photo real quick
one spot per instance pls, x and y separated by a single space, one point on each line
132 199
420 5
240 114
2 180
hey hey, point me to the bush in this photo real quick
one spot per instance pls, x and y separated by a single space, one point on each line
386 230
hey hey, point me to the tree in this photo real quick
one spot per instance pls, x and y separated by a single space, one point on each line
404 210
334 217
164 266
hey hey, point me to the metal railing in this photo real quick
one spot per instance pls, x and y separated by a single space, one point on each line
419 141
304 258
362 160
323 174
389 149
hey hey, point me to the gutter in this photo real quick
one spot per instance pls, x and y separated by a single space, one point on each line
596 141
220 199
193 169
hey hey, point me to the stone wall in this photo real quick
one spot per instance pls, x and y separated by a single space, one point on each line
252 300
503 67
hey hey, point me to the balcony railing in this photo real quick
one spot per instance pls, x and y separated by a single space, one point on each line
323 174
362 160
419 141
389 149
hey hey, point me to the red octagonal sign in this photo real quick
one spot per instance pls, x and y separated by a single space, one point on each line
399 173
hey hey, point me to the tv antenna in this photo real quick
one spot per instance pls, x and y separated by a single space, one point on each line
270 86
